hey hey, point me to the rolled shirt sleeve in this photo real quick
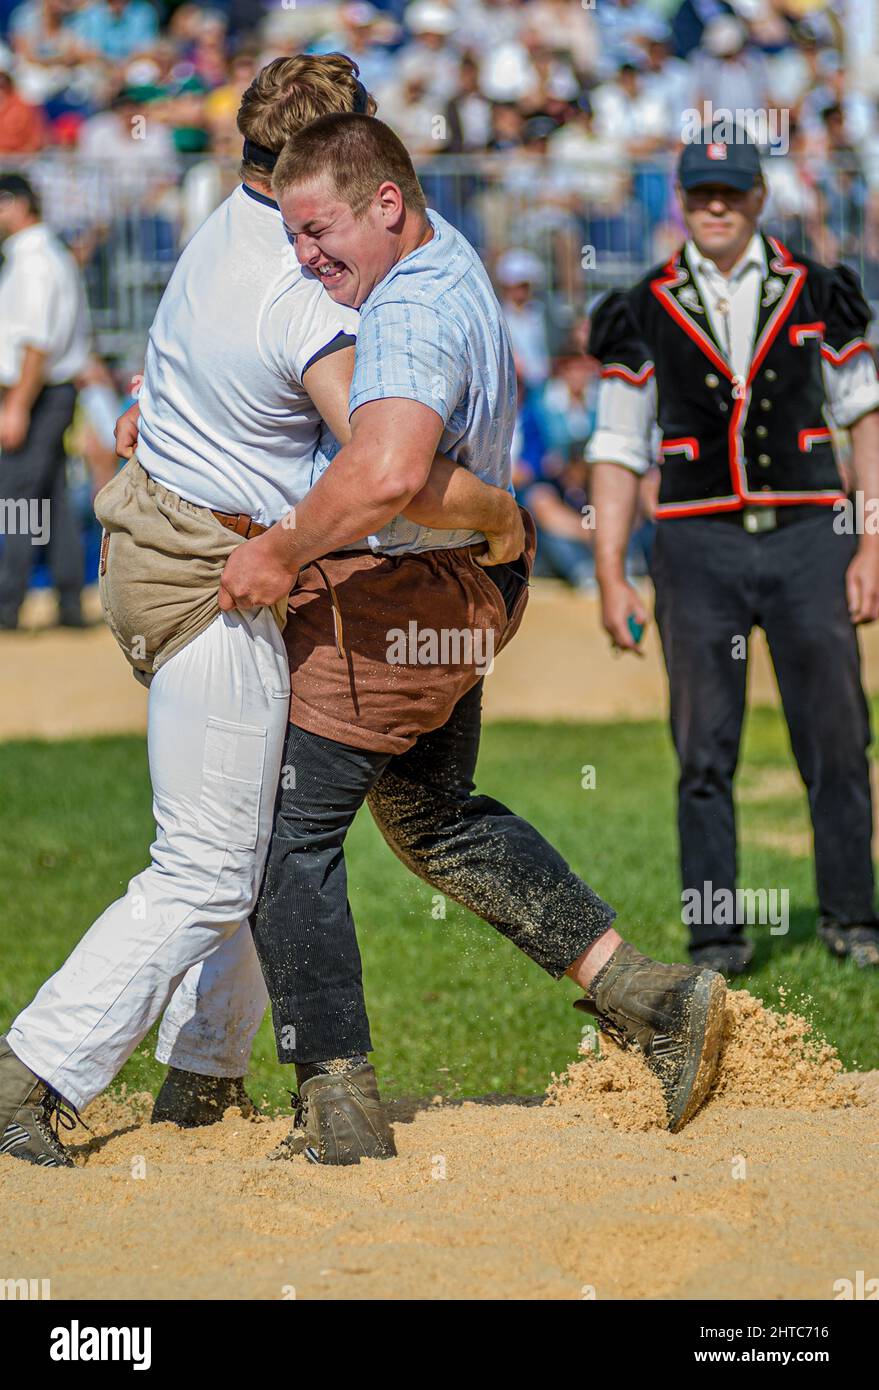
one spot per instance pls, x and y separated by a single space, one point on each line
625 423
852 388
848 364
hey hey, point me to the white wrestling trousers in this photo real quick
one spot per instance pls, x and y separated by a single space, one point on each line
218 713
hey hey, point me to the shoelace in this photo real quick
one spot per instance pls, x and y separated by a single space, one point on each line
613 1030
64 1115
299 1105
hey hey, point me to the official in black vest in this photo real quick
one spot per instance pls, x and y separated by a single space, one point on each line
741 353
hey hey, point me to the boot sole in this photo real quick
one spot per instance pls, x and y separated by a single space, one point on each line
706 1032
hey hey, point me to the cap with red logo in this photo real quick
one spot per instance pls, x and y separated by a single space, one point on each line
734 162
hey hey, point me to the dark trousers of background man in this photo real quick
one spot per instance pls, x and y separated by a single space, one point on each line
466 846
36 473
714 582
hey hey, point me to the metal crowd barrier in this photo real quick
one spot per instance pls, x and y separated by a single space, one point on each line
592 228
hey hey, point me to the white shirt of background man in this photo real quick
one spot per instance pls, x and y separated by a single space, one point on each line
42 306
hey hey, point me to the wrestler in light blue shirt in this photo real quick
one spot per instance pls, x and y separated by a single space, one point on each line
432 331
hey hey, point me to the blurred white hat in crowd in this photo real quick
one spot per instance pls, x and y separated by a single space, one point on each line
507 74
724 36
518 267
429 17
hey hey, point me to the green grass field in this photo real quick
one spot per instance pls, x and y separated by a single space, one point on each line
454 1008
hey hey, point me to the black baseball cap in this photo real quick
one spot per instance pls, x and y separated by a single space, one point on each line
16 186
716 158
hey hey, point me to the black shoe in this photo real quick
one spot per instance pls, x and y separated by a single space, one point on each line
8 622
672 1014
728 958
190 1100
857 942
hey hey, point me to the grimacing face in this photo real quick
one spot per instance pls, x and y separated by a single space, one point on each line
348 254
722 220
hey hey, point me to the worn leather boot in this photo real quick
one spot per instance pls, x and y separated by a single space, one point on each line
339 1119
672 1014
190 1100
27 1109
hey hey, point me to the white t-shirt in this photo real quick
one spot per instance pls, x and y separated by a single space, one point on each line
42 305
224 418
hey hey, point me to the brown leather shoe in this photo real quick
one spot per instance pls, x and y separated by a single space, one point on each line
672 1014
339 1119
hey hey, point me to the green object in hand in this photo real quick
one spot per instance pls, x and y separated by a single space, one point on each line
636 628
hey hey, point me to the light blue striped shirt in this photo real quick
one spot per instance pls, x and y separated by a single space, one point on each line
432 331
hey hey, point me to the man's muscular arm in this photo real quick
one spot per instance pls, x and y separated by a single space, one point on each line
452 498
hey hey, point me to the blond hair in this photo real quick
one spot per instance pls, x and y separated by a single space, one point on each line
288 93
357 153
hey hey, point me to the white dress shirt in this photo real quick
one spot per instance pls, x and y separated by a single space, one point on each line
625 426
42 305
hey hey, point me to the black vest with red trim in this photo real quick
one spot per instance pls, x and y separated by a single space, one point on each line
726 443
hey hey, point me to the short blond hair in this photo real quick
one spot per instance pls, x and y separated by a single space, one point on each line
289 93
356 153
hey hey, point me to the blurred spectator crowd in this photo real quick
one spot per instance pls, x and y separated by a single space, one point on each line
547 130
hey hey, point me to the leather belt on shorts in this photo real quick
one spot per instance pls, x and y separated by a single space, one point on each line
242 524
245 526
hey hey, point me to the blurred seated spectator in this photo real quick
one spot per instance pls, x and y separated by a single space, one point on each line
208 182
727 71
223 102
632 113
518 275
21 125
184 112
569 28
831 88
623 27
468 113
553 85
555 495
793 205
507 124
411 112
132 135
667 80
116 30
590 158
46 49
363 34
567 405
544 206
209 56
842 186
429 57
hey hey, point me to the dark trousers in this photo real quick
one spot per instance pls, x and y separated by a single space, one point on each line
468 847
35 473
714 582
